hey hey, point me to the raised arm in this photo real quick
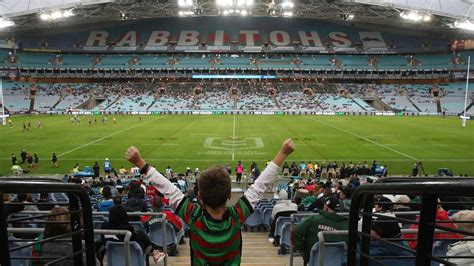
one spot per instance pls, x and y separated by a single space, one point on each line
256 191
154 177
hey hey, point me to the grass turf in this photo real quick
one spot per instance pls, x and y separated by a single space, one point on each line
201 141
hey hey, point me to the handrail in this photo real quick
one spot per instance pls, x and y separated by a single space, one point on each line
306 214
429 188
76 194
321 239
161 217
126 241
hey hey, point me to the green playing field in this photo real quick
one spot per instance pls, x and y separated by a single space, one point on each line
201 141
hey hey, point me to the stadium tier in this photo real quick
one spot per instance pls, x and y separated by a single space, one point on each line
289 97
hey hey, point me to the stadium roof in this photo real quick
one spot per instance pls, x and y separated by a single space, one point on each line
26 13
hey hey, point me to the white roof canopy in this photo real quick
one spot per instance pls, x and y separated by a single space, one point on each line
458 9
12 8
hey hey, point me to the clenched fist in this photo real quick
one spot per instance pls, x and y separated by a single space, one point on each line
287 147
133 155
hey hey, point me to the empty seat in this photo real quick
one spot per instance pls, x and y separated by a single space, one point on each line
254 220
334 254
116 255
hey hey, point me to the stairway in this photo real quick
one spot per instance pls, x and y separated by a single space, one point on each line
256 250
413 103
354 101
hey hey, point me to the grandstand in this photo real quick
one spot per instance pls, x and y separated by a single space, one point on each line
360 101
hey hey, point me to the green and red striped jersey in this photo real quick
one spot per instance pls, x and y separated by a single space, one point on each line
215 242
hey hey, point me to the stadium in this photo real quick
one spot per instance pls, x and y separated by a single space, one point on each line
274 132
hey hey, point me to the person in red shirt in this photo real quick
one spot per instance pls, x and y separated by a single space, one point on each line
441 215
157 205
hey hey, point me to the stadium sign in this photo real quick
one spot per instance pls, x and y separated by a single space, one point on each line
225 34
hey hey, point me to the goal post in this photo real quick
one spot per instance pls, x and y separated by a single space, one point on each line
3 116
464 116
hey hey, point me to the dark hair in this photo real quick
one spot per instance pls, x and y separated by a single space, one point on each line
117 200
107 192
157 203
214 186
22 197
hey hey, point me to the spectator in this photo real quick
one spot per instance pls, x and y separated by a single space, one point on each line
54 160
157 205
11 208
441 215
169 172
463 248
54 249
96 169
107 202
306 233
45 204
221 225
118 220
26 198
319 203
239 170
107 166
344 197
284 208
14 160
23 155
136 201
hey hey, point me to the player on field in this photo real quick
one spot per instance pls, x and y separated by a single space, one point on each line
10 123
38 124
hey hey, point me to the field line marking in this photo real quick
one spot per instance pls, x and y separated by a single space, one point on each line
110 135
366 139
233 140
265 160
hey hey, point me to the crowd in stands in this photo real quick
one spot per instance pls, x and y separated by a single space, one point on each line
130 97
324 189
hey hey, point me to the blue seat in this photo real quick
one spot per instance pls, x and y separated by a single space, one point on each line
254 220
21 253
156 234
138 226
266 217
285 238
334 253
116 255
279 225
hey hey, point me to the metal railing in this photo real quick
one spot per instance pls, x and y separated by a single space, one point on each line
161 218
307 214
125 233
79 203
428 188
81 229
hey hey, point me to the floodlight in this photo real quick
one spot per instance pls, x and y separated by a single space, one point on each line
243 12
4 23
244 2
56 14
225 12
45 16
465 25
224 3
68 13
287 14
185 3
287 4
415 16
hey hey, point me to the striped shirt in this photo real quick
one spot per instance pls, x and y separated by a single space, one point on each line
215 241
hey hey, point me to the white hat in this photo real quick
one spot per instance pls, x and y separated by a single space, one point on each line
283 195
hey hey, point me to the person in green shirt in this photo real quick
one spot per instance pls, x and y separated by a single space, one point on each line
305 234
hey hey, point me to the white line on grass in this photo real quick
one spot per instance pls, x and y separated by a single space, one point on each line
366 139
265 160
110 135
233 140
